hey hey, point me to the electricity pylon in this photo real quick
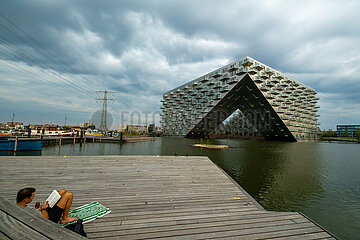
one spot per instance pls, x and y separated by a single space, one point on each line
103 123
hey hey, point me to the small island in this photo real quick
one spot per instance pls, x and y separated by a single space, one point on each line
210 146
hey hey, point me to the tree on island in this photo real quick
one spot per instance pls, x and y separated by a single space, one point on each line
358 134
346 133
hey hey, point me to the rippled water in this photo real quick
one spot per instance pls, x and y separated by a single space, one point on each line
319 179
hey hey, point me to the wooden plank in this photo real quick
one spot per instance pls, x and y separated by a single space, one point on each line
36 222
4 237
308 236
154 197
151 227
14 229
302 233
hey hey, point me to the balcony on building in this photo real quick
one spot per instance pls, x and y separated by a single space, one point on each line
274 80
211 93
269 71
269 83
295 83
233 67
204 90
291 87
224 77
275 92
240 71
258 67
205 79
199 86
283 83
251 71
217 96
247 62
224 89
270 96
233 80
294 93
280 99
258 79
264 88
217 85
217 73
287 90
275 103
278 76
211 103
279 87
284 117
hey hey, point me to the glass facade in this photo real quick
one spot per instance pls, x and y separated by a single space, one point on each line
351 130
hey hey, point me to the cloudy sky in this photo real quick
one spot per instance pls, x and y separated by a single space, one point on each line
55 55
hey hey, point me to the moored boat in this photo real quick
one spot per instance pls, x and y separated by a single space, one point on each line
21 144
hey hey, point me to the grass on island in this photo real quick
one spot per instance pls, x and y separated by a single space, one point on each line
208 144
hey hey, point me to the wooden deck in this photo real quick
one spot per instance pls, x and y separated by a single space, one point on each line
155 197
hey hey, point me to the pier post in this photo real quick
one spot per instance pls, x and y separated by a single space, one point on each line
93 139
29 132
16 143
81 135
121 136
60 141
74 139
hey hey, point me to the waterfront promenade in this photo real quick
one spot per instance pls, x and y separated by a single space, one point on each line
155 197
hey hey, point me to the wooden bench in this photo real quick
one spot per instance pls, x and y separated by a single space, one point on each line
20 223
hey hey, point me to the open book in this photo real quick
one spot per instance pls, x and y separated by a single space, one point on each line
53 198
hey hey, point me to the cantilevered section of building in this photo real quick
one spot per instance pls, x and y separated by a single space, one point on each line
279 107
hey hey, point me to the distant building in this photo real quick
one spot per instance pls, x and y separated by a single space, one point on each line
45 129
87 125
122 127
340 129
151 128
137 128
16 125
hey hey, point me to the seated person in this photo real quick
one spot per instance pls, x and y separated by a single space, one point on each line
61 208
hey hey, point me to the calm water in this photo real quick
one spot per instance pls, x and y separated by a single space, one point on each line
319 179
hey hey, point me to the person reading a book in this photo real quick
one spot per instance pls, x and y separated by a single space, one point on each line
54 213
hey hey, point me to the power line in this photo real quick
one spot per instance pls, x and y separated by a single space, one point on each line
68 82
16 67
41 48
40 45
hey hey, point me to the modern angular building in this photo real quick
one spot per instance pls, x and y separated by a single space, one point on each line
279 107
